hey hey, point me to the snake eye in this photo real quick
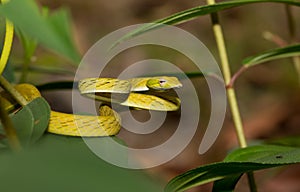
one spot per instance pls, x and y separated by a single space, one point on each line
162 82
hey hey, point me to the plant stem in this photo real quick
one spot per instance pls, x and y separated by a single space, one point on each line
292 32
25 68
9 129
230 90
12 91
5 119
227 77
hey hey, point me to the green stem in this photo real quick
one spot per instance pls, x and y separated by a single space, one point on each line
9 129
251 181
292 33
12 91
25 68
230 90
290 21
227 77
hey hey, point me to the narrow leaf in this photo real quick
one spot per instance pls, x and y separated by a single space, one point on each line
227 184
238 162
279 53
193 13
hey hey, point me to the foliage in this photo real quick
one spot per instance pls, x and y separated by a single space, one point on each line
227 173
52 31
60 156
43 161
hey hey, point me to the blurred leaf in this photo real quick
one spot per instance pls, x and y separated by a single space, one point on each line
238 162
8 72
53 31
192 13
58 163
8 127
47 70
60 23
179 75
30 121
29 44
289 51
23 121
292 141
58 85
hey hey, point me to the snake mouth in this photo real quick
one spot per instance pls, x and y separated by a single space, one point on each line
164 89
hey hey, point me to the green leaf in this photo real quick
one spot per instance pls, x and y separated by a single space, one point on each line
227 184
195 12
292 141
53 31
23 122
279 53
266 154
41 113
30 121
47 70
238 162
263 152
59 163
58 85
8 72
29 44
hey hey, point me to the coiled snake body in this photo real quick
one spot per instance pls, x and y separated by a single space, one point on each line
151 93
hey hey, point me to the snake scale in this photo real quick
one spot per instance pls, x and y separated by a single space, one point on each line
150 93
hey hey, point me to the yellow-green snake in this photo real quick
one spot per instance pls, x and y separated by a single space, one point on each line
152 93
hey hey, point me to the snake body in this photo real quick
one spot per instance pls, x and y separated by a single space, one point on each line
143 93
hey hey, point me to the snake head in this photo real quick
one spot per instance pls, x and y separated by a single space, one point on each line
163 83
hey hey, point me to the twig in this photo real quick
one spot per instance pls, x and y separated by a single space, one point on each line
274 38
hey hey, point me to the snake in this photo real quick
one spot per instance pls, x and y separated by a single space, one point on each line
149 93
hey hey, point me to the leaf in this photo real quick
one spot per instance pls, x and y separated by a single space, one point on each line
53 31
41 114
227 184
8 72
23 123
238 162
265 154
289 51
30 121
192 13
59 163
58 85
29 44
292 141
47 70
